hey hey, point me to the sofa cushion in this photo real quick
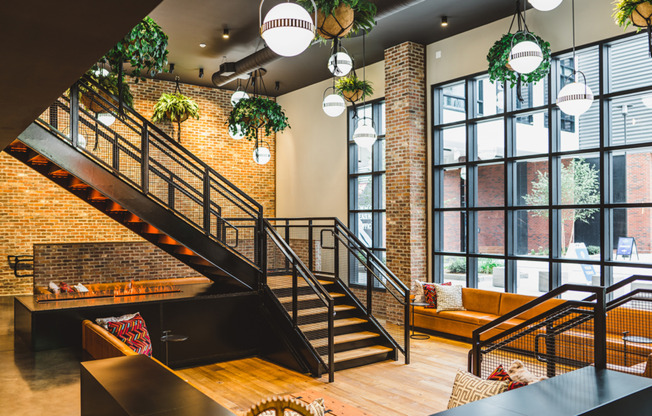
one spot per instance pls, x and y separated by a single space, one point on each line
430 294
133 332
469 388
104 321
511 301
449 298
471 317
508 324
481 300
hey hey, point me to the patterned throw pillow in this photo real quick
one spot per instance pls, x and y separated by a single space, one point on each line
104 321
431 294
468 388
500 374
133 332
449 298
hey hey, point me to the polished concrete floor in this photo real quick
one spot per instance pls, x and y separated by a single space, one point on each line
42 383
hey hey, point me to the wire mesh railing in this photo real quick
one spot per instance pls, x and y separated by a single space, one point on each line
139 153
331 250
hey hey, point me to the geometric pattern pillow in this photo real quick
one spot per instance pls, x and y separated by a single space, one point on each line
449 298
500 374
133 332
468 388
431 294
103 321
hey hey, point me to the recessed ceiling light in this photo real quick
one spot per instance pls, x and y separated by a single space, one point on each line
202 45
444 21
225 34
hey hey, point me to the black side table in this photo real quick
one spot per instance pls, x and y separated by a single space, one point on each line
634 339
168 337
414 335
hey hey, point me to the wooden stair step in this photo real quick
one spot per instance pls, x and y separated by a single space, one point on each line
115 207
358 353
18 147
184 251
131 218
337 323
148 229
310 296
37 160
77 184
57 172
324 309
167 240
344 338
200 261
274 283
95 195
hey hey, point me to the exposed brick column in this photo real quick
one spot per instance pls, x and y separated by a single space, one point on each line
405 112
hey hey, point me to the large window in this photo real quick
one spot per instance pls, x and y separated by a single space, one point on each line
526 198
367 188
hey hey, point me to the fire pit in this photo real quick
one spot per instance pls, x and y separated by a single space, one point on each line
129 290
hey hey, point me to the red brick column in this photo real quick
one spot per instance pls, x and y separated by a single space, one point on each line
405 112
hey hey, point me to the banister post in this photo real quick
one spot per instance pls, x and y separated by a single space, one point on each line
310 248
295 294
331 341
370 283
207 205
406 329
476 354
600 330
336 255
74 114
144 159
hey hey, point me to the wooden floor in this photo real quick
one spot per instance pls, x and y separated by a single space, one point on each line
387 388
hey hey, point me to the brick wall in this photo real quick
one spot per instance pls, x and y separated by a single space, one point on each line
34 210
405 141
639 181
105 263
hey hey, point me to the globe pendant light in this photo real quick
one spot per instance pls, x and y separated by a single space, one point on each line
237 96
525 56
575 98
81 141
545 5
365 134
333 103
106 118
288 29
262 155
340 64
235 131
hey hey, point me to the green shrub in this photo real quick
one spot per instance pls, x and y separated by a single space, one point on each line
487 265
593 250
457 266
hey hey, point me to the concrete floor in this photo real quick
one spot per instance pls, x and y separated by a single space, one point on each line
42 383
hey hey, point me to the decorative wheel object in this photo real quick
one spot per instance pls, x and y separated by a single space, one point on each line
279 406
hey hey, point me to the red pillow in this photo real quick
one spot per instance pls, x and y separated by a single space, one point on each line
500 374
431 294
133 332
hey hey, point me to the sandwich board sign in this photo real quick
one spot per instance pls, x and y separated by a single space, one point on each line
626 247
579 251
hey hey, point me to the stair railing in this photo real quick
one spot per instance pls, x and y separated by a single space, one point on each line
330 249
280 259
147 158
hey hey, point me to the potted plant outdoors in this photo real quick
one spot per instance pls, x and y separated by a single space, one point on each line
353 88
175 108
341 18
254 113
498 57
109 83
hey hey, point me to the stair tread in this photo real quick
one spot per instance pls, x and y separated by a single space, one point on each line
359 353
323 309
344 338
336 323
310 296
285 282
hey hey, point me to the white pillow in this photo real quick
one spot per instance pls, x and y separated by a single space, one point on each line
417 291
449 298
104 321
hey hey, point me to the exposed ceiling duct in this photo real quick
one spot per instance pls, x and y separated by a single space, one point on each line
264 56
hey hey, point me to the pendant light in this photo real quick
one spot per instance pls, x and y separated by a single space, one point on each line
333 104
262 154
545 5
575 98
106 118
340 63
288 29
526 55
236 132
365 134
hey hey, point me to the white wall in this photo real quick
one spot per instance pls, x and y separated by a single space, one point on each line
311 156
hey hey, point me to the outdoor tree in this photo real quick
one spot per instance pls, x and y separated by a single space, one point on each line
579 186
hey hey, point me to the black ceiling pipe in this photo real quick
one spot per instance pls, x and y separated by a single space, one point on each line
266 55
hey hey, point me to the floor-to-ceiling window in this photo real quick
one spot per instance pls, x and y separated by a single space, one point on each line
526 198
367 186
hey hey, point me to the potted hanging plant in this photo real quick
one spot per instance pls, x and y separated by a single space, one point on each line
109 83
498 58
353 88
254 113
341 18
175 108
636 12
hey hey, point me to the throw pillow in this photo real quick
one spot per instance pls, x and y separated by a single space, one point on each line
417 290
317 407
431 294
103 321
133 332
449 298
469 388
518 372
500 374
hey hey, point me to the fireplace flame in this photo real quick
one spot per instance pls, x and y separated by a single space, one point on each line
127 290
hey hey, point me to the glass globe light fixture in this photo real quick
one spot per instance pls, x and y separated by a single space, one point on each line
545 5
262 155
575 98
340 64
333 104
525 57
288 29
106 118
237 96
235 131
365 134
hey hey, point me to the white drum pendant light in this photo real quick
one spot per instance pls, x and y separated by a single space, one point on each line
340 64
237 96
525 57
545 5
262 155
333 103
575 98
288 29
365 134
235 131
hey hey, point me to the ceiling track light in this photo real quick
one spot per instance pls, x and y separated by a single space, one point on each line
225 33
288 29
444 21
201 72
171 68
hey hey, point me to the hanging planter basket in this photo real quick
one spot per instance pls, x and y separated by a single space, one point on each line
637 13
255 113
498 58
335 25
342 18
353 88
641 15
92 102
352 96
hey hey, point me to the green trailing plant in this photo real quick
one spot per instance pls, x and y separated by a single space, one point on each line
498 58
623 10
255 113
364 11
350 85
109 83
175 107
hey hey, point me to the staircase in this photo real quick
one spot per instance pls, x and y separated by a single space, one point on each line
137 175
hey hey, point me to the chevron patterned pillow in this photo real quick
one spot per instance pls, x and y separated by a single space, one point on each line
500 374
133 332
468 388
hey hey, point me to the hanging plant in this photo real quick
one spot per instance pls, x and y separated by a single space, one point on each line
109 91
498 57
254 113
353 88
175 108
341 18
636 12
